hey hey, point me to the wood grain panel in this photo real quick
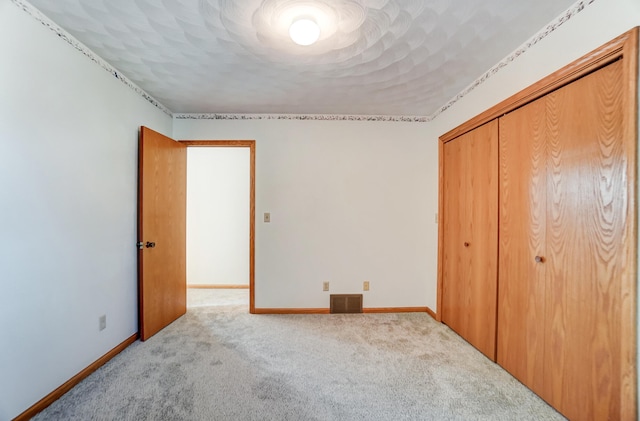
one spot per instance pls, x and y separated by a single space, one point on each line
586 227
522 237
451 217
162 214
483 216
470 226
629 284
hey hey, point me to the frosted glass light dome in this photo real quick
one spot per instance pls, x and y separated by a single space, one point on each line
304 31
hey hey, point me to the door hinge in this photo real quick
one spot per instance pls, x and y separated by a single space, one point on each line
140 245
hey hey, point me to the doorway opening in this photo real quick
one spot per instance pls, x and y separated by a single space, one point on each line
221 215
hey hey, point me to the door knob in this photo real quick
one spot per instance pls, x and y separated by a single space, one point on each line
539 259
466 244
150 245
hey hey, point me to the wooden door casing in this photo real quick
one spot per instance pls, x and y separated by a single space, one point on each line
162 220
470 194
251 144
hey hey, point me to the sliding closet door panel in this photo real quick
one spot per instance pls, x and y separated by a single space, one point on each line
470 236
586 245
521 278
455 263
483 243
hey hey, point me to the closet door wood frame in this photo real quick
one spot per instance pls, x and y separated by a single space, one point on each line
624 47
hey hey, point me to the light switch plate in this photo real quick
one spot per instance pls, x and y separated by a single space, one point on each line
267 217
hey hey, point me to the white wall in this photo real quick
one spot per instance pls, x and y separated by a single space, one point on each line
218 216
349 201
68 183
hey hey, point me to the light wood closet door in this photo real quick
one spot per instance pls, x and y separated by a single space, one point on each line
586 246
470 197
521 303
564 199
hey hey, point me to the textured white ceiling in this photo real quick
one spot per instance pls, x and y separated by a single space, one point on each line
375 57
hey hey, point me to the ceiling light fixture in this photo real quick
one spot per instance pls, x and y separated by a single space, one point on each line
304 31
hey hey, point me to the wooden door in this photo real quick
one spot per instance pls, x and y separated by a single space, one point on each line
455 263
521 280
564 245
470 206
587 245
162 231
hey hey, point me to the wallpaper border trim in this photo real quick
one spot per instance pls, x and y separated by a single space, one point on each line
86 51
318 117
568 14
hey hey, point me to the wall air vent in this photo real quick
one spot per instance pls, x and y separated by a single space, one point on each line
345 303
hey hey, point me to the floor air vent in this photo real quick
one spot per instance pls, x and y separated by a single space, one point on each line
345 303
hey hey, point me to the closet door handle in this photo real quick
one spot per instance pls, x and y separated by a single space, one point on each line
466 244
539 259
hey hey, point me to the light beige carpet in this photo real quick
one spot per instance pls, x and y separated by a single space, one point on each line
220 363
